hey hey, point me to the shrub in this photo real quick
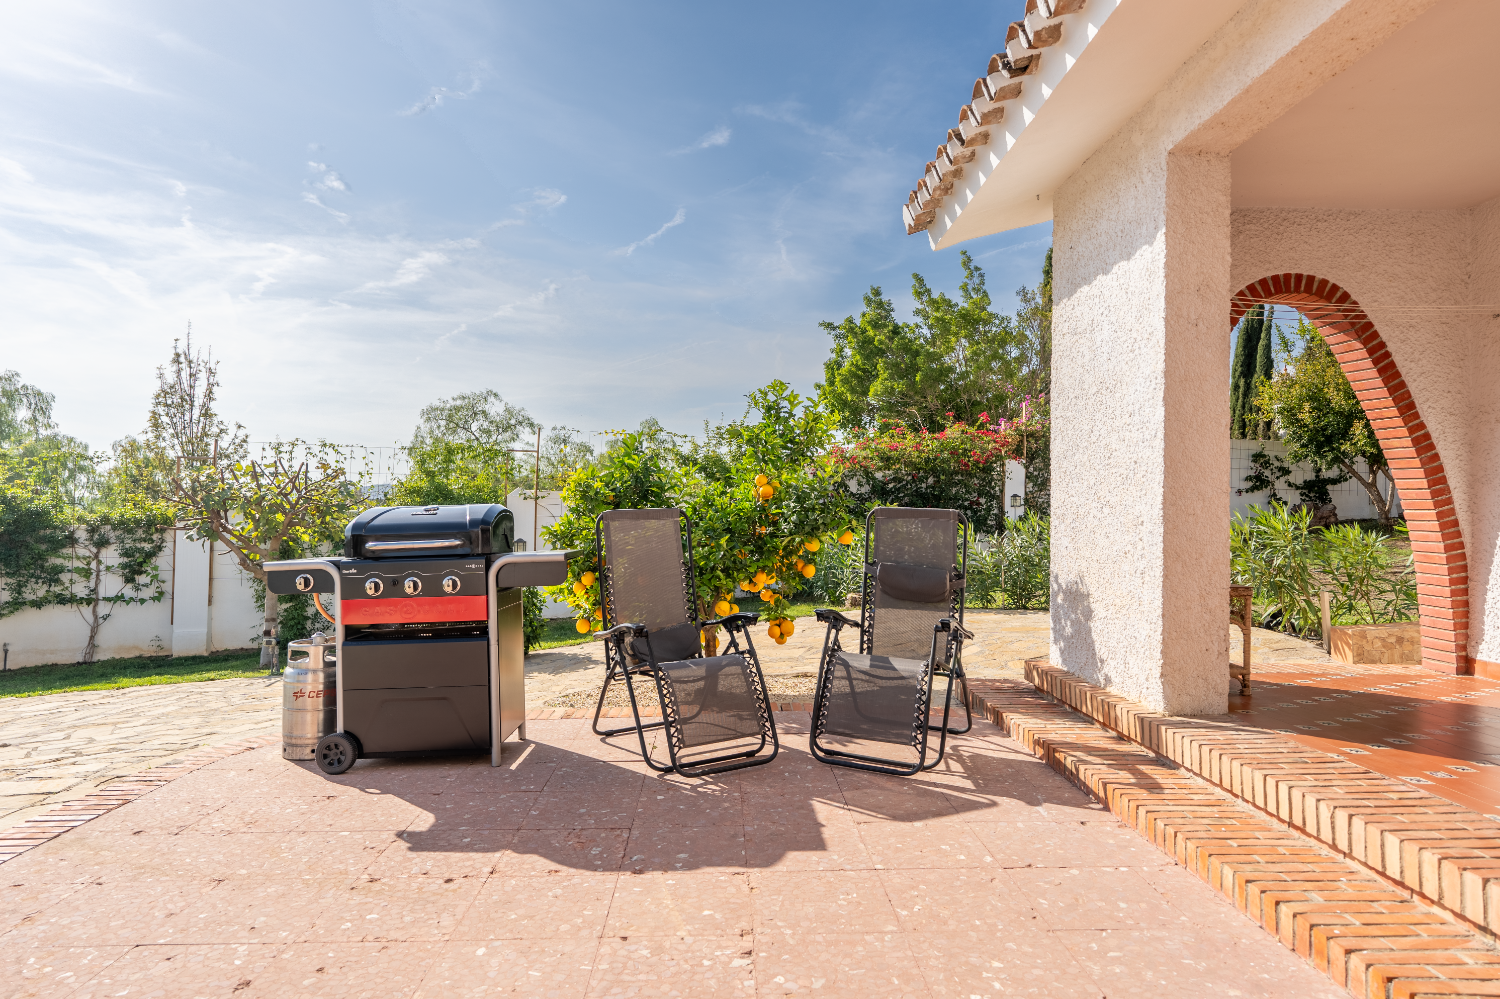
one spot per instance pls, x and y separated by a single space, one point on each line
1012 569
1288 562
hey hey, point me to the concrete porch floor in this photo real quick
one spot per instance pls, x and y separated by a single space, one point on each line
569 871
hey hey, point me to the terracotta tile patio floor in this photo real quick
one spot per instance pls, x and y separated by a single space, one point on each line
571 871
1433 729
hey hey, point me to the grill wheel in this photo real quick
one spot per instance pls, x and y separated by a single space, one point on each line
337 753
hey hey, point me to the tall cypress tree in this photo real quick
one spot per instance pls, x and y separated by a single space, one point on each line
1242 373
1261 430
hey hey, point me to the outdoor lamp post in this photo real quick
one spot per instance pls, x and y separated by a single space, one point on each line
1015 504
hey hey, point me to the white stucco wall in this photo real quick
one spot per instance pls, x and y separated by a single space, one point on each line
1141 283
1391 262
182 623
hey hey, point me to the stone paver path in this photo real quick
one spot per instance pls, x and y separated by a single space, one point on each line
571 871
56 747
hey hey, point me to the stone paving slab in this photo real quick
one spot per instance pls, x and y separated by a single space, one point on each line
569 871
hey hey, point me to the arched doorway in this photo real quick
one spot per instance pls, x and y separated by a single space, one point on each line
1437 544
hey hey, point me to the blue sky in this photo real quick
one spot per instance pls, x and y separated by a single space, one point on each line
602 211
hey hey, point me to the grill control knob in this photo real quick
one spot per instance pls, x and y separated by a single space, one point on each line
451 584
412 586
304 583
374 586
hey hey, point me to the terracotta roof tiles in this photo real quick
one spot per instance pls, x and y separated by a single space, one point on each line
1004 82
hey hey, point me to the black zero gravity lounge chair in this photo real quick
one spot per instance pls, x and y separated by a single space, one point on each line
715 712
910 633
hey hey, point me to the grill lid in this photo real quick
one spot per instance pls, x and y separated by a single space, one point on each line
386 532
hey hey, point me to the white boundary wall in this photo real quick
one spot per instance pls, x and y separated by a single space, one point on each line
1350 498
193 617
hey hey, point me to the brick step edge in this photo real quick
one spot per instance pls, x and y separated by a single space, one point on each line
1367 936
1429 845
49 825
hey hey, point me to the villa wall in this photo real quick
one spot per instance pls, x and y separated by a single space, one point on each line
1142 283
1408 270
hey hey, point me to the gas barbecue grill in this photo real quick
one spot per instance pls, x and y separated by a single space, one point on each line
429 629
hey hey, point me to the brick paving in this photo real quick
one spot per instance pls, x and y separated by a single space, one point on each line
570 871
1364 932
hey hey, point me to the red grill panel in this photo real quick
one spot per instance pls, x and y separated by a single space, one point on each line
413 609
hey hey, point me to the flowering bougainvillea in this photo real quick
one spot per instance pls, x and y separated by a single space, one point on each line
961 466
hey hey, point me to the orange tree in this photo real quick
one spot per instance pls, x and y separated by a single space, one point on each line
961 467
763 495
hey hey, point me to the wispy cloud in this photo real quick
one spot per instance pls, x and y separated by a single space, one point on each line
438 95
677 219
412 270
543 199
530 302
313 199
718 137
330 179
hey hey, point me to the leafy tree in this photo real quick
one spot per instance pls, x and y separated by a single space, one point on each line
956 360
43 474
114 553
295 494
1311 404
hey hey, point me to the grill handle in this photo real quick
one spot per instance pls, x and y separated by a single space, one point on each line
402 546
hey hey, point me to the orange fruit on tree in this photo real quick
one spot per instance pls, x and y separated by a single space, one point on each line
583 626
847 538
579 589
781 640
812 544
798 563
760 578
734 608
808 570
766 492
599 614
787 628
767 595
587 579
773 631
722 608
761 480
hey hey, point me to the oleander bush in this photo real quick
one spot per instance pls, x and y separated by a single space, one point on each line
1371 579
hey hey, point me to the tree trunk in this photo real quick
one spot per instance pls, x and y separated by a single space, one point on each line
268 653
92 648
1371 486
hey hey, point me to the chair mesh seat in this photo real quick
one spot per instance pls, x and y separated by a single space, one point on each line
875 698
716 699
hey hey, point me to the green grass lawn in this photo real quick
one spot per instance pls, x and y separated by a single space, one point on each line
563 631
141 671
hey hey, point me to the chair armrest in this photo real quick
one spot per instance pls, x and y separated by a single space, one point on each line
837 619
739 619
620 630
948 624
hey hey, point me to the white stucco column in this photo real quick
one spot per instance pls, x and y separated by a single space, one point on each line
1140 417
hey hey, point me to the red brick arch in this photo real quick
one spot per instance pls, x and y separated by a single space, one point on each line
1442 566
